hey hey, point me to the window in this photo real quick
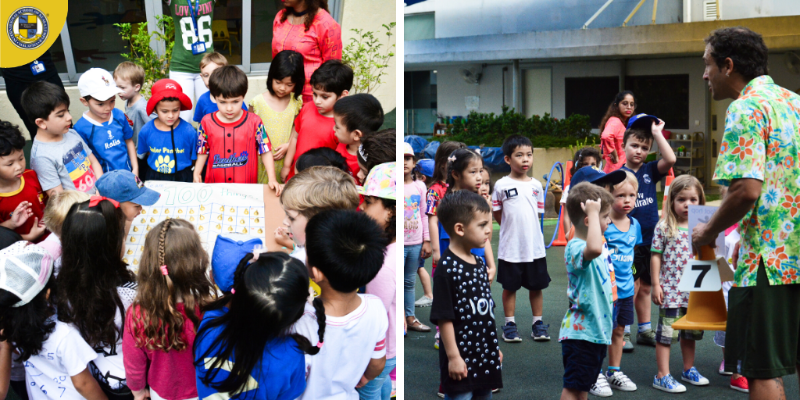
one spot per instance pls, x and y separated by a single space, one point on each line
264 12
420 26
95 40
665 96
590 96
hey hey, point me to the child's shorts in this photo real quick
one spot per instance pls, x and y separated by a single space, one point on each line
582 362
530 275
623 312
664 332
641 264
184 175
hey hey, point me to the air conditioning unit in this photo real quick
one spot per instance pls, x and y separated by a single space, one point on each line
710 10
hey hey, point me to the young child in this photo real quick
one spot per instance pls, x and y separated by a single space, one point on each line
416 239
307 194
466 217
517 202
168 143
486 184
355 117
54 214
671 252
22 200
380 195
125 188
586 328
435 194
375 149
622 234
587 156
280 104
95 287
129 78
642 131
54 354
230 138
107 130
345 252
313 126
424 173
205 103
321 157
245 347
161 324
61 159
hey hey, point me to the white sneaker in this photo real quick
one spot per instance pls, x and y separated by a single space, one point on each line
600 388
621 382
423 301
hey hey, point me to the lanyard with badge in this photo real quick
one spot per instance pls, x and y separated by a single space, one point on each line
198 47
37 67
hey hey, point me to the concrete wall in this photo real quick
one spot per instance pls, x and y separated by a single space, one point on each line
738 9
452 90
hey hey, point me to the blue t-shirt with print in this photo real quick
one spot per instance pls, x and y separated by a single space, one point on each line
205 106
591 299
279 374
107 140
158 145
646 210
620 247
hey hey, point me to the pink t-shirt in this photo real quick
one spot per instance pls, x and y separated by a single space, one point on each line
415 220
384 286
611 140
171 375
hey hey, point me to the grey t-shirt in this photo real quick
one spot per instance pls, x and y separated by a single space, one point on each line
137 112
64 163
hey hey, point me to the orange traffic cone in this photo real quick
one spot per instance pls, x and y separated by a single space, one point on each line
670 178
561 240
707 311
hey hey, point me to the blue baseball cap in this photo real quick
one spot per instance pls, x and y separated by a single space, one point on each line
642 121
229 249
597 177
123 185
426 167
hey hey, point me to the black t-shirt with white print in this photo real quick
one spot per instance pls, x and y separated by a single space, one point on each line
461 294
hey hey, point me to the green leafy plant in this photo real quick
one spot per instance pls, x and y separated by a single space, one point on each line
368 58
544 131
156 66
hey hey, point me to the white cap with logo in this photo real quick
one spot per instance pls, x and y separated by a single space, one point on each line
99 84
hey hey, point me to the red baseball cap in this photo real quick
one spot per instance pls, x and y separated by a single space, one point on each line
166 88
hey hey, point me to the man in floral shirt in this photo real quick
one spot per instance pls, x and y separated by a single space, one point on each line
758 162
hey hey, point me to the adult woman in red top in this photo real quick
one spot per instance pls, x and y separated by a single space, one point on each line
613 128
306 27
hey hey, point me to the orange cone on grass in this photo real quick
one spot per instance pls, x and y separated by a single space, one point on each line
561 240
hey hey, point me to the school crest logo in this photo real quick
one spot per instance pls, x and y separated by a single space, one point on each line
27 28
647 178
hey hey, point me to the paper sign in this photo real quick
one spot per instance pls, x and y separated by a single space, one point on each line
702 214
700 276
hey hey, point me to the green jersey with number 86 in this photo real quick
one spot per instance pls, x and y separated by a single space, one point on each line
182 58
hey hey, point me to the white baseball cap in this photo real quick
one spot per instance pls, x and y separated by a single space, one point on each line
25 269
98 83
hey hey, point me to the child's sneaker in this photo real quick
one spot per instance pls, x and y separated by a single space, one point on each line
539 331
620 381
440 393
600 388
423 301
740 384
394 390
722 369
436 343
647 337
694 377
510 333
627 345
668 384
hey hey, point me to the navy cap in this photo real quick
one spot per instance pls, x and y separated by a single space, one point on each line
642 121
426 167
597 177
123 185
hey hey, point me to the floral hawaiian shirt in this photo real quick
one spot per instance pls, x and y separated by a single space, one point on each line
762 141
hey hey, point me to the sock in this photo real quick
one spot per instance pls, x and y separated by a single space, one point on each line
627 329
510 319
611 370
535 318
643 327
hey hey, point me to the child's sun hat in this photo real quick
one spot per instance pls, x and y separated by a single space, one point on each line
25 269
408 150
164 89
381 182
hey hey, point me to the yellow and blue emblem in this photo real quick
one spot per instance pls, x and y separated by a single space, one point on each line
27 28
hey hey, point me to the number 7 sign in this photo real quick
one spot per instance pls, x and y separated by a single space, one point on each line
700 276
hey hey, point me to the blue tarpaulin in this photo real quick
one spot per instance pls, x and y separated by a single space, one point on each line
493 158
430 150
417 143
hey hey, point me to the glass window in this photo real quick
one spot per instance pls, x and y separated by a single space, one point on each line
57 52
264 12
419 26
95 39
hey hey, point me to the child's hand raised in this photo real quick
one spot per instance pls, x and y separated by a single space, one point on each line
457 368
21 214
658 127
591 206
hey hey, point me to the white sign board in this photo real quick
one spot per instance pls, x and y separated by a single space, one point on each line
702 214
700 276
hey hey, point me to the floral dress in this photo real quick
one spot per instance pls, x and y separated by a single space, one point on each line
279 128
